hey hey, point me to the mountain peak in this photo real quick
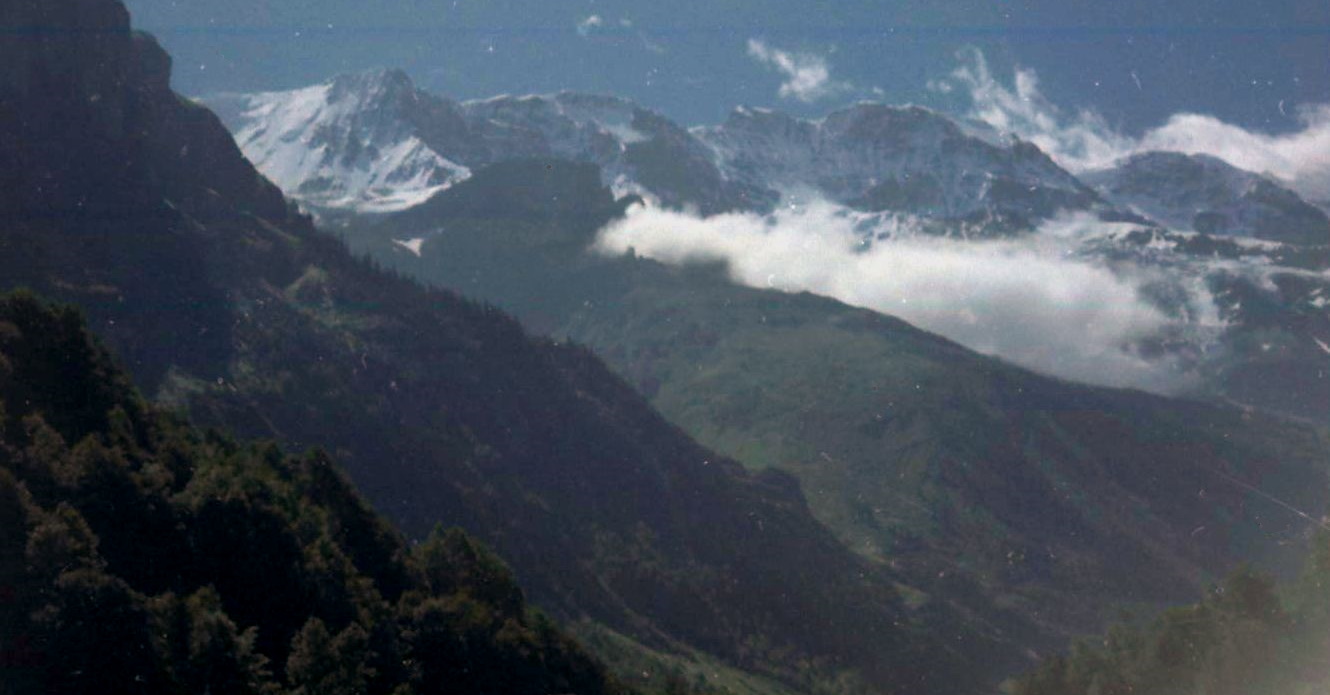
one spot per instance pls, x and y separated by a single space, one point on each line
882 123
898 158
1206 194
351 142
897 114
1162 159
371 85
594 99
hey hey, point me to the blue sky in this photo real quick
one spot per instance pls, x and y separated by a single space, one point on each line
1133 62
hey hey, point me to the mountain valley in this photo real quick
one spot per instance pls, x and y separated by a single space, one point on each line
713 484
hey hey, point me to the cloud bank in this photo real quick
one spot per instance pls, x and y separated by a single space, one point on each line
1028 300
1083 140
807 76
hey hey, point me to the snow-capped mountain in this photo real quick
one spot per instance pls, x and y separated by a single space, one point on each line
1206 194
638 150
372 142
903 159
349 143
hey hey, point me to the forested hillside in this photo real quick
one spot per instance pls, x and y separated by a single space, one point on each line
138 554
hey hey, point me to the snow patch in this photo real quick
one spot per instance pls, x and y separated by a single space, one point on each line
412 245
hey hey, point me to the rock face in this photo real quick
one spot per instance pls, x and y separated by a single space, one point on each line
76 81
67 51
1206 194
100 157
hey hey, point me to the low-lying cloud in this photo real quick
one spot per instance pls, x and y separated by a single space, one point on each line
1026 300
807 76
1083 140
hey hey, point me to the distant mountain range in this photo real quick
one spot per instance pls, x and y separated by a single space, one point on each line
1247 298
314 143
374 143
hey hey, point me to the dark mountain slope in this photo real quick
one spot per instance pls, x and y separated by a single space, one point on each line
140 555
133 203
1037 504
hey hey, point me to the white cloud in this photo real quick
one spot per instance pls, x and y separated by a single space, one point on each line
807 76
1083 140
1027 300
590 24
1078 142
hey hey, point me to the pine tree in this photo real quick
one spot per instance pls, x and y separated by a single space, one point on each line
204 650
321 664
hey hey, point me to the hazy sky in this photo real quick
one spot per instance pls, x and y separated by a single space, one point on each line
1134 61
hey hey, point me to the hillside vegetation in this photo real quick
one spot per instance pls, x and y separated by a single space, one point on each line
138 554
1244 638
